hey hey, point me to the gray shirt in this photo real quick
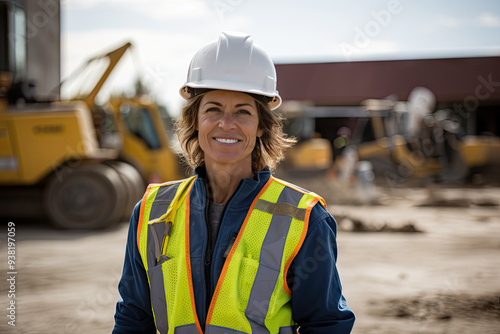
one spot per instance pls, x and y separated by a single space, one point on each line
215 211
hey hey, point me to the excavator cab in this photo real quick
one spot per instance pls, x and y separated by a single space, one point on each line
133 125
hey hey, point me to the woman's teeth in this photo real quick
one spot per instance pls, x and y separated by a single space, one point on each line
226 141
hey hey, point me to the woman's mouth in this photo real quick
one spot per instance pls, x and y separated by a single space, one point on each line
226 140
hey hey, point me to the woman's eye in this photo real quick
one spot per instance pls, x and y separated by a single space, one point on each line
243 112
212 109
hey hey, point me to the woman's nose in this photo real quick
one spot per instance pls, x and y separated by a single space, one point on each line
227 121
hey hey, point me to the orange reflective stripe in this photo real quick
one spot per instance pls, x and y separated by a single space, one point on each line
141 216
229 257
299 245
188 259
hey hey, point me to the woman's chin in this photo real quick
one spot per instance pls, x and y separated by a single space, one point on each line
232 161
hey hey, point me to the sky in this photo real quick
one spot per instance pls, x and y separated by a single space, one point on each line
166 33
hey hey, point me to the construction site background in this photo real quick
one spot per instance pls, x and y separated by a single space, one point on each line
411 179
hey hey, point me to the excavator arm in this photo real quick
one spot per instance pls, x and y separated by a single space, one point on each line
114 57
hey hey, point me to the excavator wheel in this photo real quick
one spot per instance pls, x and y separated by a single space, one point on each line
89 196
134 186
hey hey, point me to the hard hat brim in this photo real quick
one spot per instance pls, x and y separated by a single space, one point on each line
232 86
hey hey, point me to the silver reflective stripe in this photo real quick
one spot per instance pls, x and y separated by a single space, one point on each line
158 301
156 241
211 329
286 330
284 209
163 198
270 263
186 329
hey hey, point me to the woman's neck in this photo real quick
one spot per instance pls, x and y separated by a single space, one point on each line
224 180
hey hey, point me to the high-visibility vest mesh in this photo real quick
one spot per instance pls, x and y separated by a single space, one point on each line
177 282
232 303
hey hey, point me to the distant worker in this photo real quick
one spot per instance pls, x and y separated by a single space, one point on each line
231 249
342 140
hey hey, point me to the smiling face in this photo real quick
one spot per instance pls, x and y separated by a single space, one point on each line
228 125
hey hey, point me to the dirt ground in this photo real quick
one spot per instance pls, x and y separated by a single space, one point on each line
405 267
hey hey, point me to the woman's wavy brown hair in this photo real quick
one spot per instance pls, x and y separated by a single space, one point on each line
269 148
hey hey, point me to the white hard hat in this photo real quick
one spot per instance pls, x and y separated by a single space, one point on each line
233 62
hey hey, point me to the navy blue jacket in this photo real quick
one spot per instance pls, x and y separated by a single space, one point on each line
317 302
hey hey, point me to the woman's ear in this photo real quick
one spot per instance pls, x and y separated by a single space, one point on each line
260 132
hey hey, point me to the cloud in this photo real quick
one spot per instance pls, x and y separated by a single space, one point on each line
168 10
438 22
156 9
489 20
447 21
233 23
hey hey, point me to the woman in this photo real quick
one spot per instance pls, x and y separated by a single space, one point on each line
231 249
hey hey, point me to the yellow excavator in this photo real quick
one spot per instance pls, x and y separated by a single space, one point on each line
409 140
80 165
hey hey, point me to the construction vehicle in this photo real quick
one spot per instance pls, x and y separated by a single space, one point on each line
410 140
59 155
311 154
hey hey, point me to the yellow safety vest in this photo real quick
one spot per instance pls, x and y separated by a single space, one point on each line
252 295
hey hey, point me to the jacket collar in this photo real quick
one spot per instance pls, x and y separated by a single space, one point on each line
246 191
